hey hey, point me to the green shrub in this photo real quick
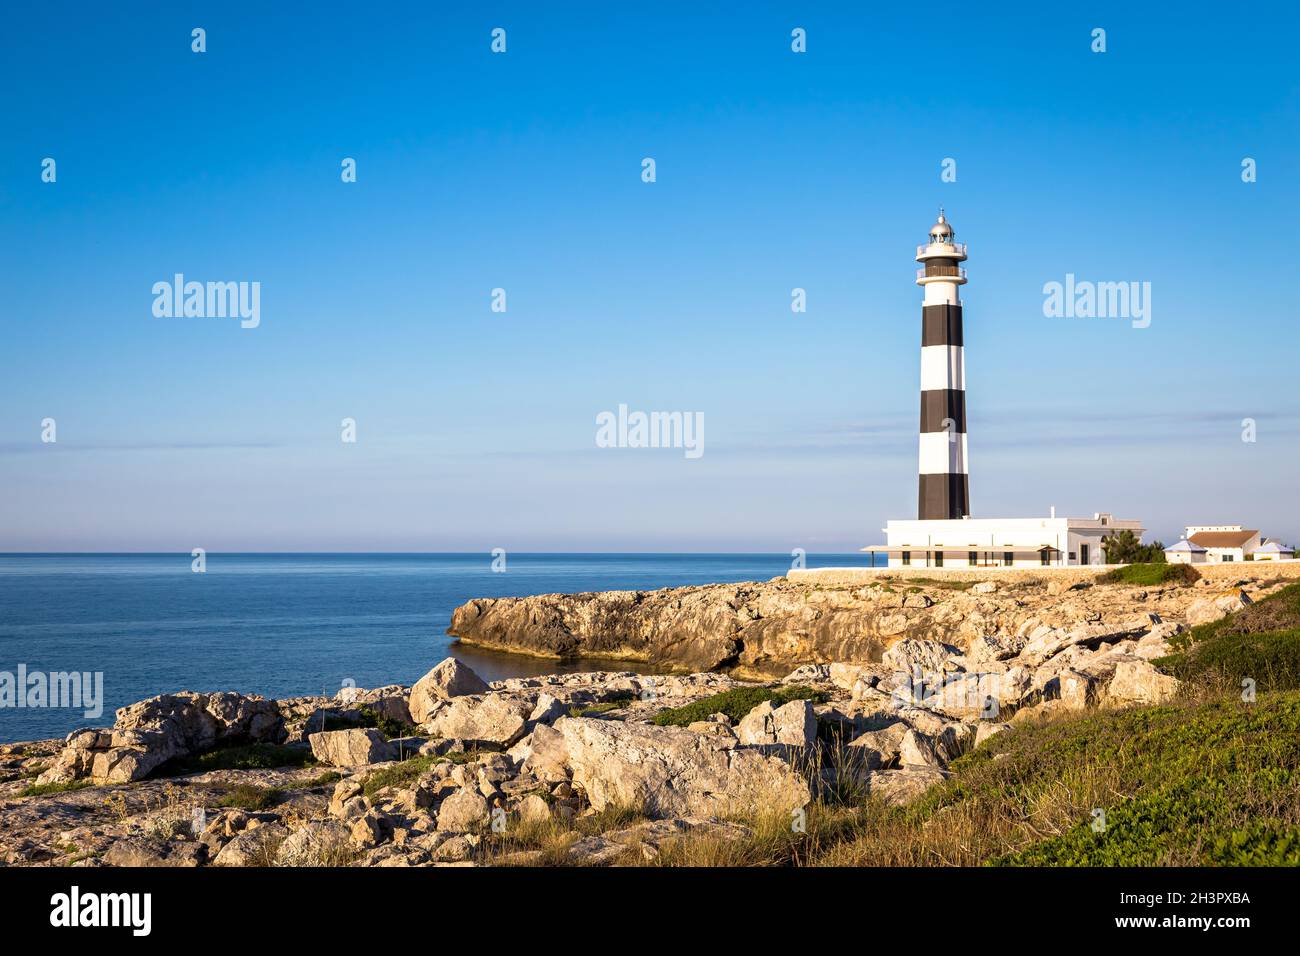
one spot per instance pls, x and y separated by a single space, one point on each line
1127 548
1151 574
1216 783
736 703
1277 612
1221 661
369 717
399 774
246 796
44 789
247 757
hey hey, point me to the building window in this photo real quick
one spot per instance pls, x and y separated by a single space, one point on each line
1227 557
973 558
938 559
1072 555
1008 558
907 558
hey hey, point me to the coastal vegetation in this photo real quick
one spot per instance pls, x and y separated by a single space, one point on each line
735 704
1125 547
1151 574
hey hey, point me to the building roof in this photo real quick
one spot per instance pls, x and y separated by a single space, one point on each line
1274 547
1185 545
1222 539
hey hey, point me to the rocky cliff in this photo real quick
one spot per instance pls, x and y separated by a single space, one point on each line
767 628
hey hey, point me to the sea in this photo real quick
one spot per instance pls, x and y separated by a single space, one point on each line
285 625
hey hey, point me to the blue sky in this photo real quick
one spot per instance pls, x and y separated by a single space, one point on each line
521 171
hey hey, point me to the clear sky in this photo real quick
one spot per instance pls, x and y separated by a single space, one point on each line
522 171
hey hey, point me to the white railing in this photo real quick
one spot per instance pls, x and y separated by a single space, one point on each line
958 247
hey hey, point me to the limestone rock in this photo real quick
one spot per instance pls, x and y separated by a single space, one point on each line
931 657
534 809
917 750
669 771
151 732
1138 682
132 851
793 723
901 787
448 680
1215 608
351 748
255 847
489 721
463 811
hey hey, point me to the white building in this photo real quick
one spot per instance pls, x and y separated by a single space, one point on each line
1000 542
1184 552
1223 542
1273 551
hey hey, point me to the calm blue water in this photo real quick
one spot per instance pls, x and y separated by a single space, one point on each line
290 624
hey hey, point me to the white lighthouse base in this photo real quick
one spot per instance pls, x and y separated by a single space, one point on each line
1000 542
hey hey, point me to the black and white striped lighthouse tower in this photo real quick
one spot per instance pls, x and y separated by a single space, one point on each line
944 481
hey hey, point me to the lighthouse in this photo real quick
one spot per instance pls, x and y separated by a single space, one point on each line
943 534
944 491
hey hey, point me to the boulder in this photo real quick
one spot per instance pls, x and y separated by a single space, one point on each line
1212 609
988 648
1075 690
671 772
151 732
880 748
1138 682
133 851
546 757
1046 642
492 721
351 748
931 657
253 847
322 843
464 811
901 787
793 723
808 674
917 750
448 680
533 809
391 702
547 710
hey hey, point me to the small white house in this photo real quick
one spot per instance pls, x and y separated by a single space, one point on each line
1184 552
1273 551
1224 542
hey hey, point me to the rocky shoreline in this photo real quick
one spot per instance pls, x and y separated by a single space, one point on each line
871 689
763 630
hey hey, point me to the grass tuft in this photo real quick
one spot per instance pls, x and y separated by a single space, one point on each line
736 703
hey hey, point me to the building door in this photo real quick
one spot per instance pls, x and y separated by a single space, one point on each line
1083 554
938 559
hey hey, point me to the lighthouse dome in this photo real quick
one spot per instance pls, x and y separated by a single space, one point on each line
941 231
